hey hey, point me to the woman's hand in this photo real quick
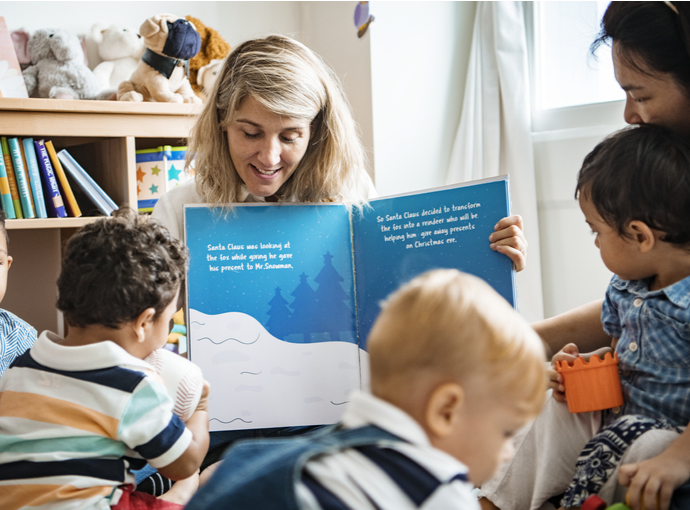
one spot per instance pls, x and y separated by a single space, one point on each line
654 480
569 353
509 239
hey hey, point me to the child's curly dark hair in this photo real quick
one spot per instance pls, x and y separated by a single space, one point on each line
117 267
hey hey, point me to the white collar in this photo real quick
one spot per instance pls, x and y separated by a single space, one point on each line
366 409
48 352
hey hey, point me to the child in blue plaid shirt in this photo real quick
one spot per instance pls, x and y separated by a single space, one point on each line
634 191
16 336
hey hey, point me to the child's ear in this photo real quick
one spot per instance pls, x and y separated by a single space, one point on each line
142 323
443 408
9 261
643 235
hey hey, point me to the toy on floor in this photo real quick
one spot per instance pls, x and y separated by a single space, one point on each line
120 48
161 74
57 66
213 47
594 502
592 385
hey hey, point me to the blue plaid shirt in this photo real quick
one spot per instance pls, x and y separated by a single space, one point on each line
653 328
16 336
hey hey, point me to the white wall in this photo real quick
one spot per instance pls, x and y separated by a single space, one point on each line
572 271
328 28
419 55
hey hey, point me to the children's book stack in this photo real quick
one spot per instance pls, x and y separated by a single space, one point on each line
34 181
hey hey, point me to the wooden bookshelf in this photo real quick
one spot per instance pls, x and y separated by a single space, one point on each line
103 137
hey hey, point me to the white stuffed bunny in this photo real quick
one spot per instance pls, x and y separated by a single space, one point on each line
120 47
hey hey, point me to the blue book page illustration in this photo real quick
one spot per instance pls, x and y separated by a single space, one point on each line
402 236
271 318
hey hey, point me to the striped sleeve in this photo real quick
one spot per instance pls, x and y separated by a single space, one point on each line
149 426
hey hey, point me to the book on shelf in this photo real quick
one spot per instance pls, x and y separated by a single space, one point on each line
27 175
55 204
65 189
11 178
95 193
275 310
5 195
20 175
11 79
34 177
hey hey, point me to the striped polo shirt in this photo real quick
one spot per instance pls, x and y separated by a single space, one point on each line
73 420
396 475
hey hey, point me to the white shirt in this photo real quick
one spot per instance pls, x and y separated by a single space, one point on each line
169 209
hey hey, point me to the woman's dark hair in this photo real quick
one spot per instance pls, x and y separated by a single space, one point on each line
641 173
651 37
115 268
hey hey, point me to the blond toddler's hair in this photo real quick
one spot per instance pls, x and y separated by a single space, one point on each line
448 326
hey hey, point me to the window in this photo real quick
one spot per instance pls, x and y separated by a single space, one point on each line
570 87
566 73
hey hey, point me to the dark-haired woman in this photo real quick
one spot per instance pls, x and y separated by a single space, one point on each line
651 57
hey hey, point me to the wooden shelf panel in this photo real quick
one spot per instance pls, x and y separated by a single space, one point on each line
35 223
86 106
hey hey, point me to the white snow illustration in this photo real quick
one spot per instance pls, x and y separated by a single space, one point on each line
259 381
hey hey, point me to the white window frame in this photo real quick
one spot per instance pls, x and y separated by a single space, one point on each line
606 116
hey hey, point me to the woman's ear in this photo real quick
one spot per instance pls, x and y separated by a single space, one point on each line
443 408
142 323
644 236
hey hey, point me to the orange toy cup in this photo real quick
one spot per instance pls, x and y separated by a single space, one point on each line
593 385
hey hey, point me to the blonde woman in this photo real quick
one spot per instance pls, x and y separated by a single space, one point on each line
277 127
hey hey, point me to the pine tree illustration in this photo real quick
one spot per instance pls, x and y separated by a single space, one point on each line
278 322
332 314
304 306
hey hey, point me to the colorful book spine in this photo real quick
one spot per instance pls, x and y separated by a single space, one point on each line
20 174
27 176
56 207
34 178
86 183
11 179
5 194
65 189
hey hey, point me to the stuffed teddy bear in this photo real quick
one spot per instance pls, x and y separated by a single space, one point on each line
57 66
161 73
120 47
208 75
213 47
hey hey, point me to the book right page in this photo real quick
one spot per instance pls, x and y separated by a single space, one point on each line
402 236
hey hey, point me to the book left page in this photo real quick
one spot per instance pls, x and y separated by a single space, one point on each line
271 316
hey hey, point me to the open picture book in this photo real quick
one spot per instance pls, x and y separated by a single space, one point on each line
281 296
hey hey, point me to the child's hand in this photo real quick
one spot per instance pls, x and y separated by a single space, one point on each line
203 401
654 480
509 239
569 353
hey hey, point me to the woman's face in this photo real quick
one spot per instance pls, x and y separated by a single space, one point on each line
654 98
264 147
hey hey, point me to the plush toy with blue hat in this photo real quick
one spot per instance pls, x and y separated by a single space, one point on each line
163 71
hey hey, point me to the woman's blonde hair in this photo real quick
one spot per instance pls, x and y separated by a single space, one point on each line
288 79
452 326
